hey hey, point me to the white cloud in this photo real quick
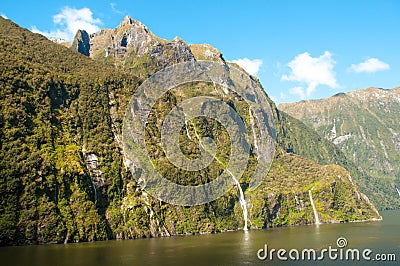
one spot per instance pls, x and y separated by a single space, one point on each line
34 29
251 66
312 71
69 21
3 16
370 65
298 91
115 10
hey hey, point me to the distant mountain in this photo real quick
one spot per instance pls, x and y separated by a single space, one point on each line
62 172
365 125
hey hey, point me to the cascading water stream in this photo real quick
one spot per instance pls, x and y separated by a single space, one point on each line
242 200
313 206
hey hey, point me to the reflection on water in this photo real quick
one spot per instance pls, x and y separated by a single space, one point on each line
232 248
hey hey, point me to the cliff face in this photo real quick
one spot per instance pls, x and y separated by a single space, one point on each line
63 177
81 42
364 125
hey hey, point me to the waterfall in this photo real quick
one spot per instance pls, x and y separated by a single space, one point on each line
313 206
398 191
242 200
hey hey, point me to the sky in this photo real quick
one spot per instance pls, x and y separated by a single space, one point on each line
298 49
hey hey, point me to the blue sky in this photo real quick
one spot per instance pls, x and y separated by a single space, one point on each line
298 49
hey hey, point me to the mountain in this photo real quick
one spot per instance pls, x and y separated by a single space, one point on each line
365 126
62 169
294 137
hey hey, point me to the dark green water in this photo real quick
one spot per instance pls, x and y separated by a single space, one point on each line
232 248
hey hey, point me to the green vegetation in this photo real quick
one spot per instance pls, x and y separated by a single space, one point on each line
55 108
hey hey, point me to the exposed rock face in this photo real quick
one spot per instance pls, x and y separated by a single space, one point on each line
92 164
172 52
81 42
206 52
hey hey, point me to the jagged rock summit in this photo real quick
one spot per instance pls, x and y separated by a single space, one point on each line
129 35
131 45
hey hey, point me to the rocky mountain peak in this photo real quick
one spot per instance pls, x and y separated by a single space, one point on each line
178 39
130 36
134 28
131 44
130 22
127 21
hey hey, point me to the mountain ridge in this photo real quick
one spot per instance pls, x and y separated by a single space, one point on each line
352 93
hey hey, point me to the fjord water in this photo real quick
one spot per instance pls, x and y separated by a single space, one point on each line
230 248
